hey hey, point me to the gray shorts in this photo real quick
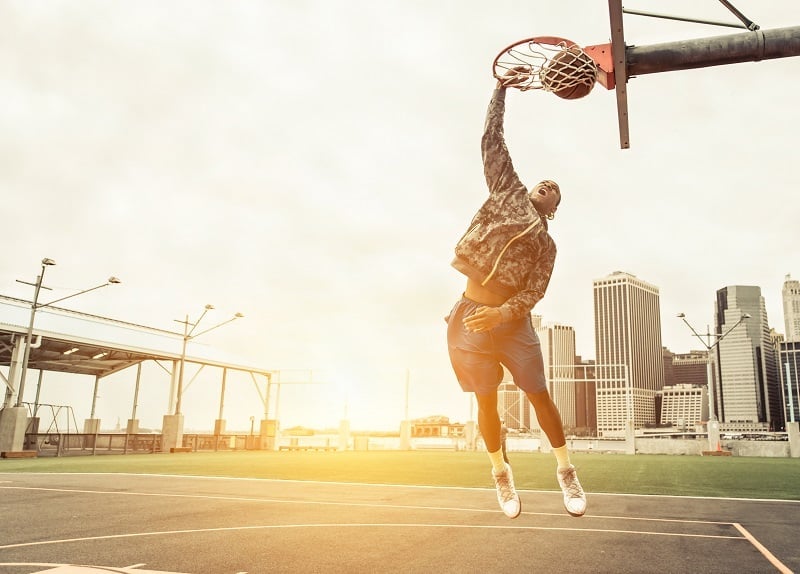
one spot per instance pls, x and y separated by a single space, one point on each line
477 357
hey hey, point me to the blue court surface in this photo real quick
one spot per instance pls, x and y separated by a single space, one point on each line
145 524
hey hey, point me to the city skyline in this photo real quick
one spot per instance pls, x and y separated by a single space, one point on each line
312 164
294 388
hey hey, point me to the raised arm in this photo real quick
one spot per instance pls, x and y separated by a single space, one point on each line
497 165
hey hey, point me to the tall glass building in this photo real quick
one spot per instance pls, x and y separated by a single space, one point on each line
747 389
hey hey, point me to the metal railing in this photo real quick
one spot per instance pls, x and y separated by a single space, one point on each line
90 444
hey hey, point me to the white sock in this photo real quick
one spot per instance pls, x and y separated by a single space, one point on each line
498 462
562 456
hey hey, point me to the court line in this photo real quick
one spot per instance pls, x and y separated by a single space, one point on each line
53 565
746 535
385 485
781 567
356 504
415 525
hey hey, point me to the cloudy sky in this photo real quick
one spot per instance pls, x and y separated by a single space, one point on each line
312 163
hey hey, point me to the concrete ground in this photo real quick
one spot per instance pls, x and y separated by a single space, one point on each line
92 523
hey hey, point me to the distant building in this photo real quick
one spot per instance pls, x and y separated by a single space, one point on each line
630 365
684 406
789 369
513 406
436 426
688 369
558 353
585 398
791 308
747 389
669 375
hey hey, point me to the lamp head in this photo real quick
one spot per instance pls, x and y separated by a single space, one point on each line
681 315
209 307
114 280
48 261
746 316
238 315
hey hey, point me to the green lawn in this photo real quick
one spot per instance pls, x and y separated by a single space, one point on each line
739 477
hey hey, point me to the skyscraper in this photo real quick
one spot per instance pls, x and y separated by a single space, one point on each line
585 397
789 368
513 406
558 352
791 308
747 388
630 366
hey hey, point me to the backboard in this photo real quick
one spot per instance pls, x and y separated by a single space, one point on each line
612 64
620 67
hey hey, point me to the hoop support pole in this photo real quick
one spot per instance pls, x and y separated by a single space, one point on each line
716 51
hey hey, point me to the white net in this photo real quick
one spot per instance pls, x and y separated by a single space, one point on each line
537 64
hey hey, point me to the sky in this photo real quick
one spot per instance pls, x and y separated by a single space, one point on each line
312 163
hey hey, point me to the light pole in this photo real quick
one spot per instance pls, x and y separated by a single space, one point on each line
712 415
46 262
188 335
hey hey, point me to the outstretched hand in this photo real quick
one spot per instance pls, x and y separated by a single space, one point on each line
517 77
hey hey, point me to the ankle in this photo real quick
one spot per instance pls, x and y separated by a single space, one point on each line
498 461
562 456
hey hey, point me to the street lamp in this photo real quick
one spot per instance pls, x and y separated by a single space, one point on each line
712 415
46 262
188 335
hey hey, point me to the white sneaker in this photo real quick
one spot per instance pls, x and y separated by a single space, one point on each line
574 497
506 493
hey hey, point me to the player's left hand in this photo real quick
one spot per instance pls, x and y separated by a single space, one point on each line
516 77
484 319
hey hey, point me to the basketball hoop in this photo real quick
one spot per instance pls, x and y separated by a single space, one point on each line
546 63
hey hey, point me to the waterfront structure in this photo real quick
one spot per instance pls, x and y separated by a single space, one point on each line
630 366
747 389
436 426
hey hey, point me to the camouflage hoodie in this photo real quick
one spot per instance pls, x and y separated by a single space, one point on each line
507 247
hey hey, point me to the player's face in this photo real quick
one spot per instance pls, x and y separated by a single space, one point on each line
545 197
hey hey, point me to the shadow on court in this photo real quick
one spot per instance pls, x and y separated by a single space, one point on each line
196 525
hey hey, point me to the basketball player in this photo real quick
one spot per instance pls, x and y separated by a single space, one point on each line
507 256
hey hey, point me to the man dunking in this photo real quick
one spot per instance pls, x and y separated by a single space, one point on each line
507 256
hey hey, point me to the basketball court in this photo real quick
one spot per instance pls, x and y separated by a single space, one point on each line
89 523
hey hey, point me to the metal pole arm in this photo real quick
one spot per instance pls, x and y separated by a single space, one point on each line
696 334
715 51
744 19
214 327
106 284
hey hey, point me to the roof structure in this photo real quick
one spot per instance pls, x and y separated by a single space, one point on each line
74 342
